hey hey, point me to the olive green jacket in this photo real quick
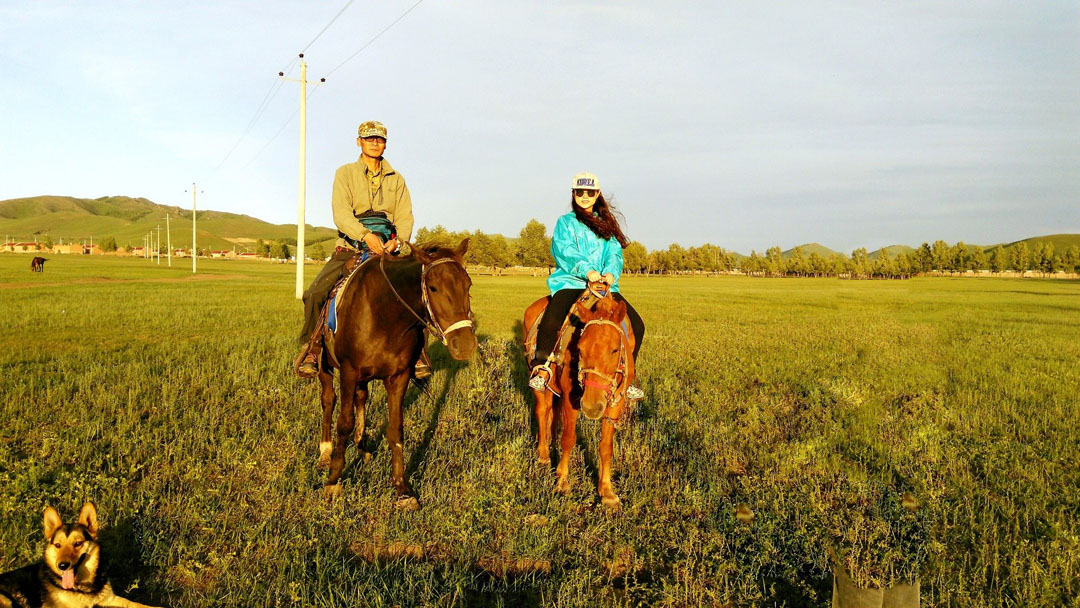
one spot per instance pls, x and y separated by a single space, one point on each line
352 196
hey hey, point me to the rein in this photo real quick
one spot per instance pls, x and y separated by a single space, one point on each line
615 388
432 325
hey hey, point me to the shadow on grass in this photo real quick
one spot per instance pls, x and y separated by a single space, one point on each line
122 550
372 441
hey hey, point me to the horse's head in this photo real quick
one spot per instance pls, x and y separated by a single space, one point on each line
446 296
604 356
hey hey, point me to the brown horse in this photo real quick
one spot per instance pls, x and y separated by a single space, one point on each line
38 264
593 374
382 315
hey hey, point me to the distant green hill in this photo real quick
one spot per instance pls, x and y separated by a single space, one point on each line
809 248
1061 242
129 219
892 250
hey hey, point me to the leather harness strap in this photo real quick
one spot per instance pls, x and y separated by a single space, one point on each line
432 325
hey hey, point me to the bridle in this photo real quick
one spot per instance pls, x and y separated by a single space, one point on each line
432 325
615 388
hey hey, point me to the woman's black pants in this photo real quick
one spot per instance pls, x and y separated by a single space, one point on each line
556 312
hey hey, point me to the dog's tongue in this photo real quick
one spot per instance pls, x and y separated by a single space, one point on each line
68 579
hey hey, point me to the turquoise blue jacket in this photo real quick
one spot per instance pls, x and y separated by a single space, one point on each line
577 250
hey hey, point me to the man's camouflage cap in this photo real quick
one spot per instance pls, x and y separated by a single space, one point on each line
372 128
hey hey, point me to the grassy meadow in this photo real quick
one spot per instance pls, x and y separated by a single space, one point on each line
816 403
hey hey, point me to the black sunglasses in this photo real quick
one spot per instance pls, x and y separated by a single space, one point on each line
585 192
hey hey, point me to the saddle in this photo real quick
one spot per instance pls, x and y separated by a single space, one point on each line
587 301
327 326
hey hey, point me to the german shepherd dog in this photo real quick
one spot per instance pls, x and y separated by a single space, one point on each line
69 576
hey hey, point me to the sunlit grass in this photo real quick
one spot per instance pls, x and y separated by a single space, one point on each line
814 404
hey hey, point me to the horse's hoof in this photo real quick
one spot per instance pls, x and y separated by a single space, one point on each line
562 486
544 461
408 503
332 491
367 457
325 448
611 503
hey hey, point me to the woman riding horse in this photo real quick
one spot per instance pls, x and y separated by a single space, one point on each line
587 245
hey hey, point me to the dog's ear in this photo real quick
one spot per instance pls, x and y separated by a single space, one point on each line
88 518
52 522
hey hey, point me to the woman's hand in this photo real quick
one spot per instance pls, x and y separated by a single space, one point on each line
593 276
609 278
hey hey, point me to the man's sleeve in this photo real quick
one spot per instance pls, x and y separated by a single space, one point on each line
403 216
564 248
340 201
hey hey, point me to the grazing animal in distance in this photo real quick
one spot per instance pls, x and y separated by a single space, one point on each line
70 575
593 371
382 312
38 264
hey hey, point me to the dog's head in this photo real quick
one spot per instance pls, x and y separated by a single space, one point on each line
72 552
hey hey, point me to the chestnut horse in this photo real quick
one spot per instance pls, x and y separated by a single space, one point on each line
592 375
382 314
38 264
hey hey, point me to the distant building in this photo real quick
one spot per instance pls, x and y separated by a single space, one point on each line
75 248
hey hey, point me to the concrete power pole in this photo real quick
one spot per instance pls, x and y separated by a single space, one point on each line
301 219
194 247
158 248
168 238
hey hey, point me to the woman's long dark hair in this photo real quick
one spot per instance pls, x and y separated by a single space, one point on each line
602 221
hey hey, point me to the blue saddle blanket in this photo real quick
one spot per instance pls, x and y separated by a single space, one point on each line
331 315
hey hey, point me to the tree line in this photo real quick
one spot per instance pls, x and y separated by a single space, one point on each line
533 248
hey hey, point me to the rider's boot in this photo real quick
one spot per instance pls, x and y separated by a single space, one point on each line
634 393
540 376
307 362
422 370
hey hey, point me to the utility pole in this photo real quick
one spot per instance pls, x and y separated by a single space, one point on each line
168 238
194 247
301 220
158 248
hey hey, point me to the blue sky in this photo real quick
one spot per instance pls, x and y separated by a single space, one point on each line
741 124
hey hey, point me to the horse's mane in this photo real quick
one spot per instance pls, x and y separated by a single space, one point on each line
606 307
437 249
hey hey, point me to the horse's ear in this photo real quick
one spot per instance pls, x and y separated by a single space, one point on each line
620 309
462 248
419 253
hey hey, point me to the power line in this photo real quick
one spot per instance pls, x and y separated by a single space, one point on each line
263 105
267 144
377 36
327 26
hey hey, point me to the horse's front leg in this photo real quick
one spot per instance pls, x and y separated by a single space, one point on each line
345 424
326 379
566 442
395 395
607 450
544 420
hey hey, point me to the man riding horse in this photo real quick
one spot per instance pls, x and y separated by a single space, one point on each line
373 214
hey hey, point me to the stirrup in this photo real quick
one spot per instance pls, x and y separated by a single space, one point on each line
634 393
541 375
308 364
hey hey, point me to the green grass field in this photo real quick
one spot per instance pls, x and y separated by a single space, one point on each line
168 400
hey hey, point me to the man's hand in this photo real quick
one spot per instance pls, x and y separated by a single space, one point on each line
374 243
391 246
609 278
593 276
